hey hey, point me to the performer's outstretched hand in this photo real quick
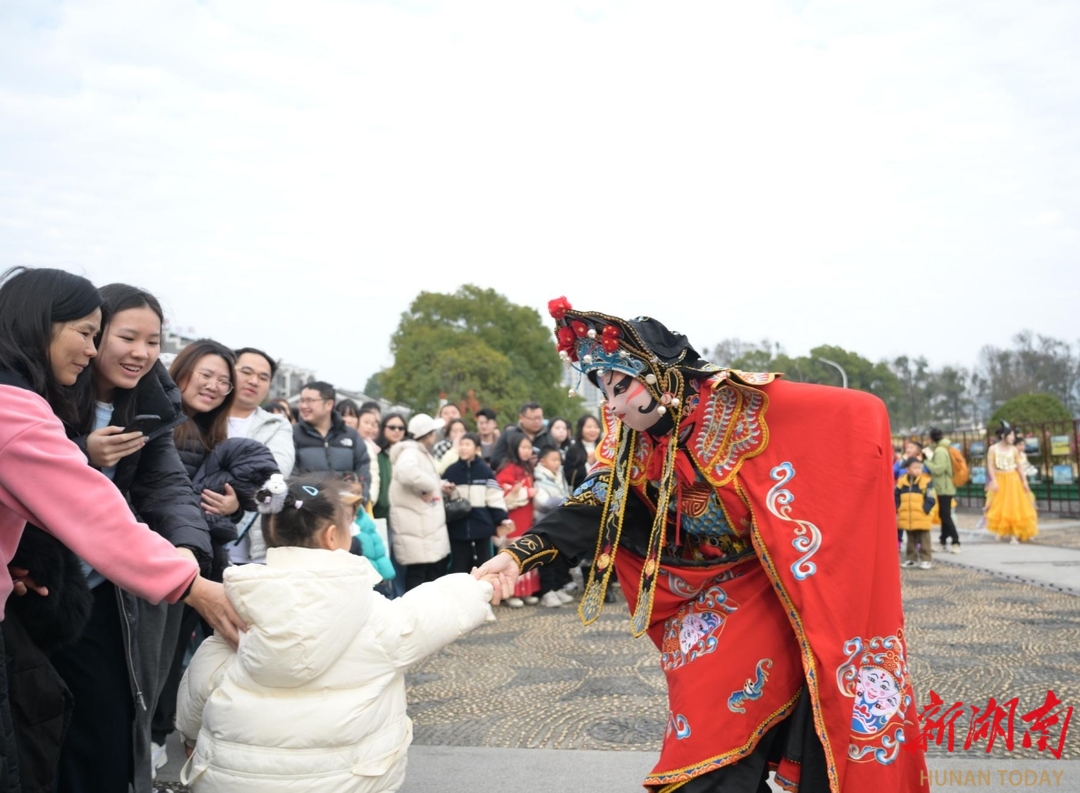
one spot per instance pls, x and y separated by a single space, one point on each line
502 572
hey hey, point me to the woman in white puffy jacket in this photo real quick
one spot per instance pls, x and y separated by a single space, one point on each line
314 699
421 542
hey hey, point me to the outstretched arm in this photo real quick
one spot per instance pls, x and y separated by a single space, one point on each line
502 572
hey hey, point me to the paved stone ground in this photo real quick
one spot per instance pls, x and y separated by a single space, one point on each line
537 678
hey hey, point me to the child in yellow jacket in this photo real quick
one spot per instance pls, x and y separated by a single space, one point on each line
914 503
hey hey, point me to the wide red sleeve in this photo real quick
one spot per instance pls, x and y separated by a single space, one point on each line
45 479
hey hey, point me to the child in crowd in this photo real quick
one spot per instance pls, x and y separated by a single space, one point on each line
366 540
516 479
314 699
551 492
914 503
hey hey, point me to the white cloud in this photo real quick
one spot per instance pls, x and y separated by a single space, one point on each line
291 175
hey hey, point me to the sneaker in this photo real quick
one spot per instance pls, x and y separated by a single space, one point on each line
955 548
908 563
551 600
1014 541
514 603
158 758
944 548
565 597
925 565
531 600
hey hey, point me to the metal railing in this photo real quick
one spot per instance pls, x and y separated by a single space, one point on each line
1053 452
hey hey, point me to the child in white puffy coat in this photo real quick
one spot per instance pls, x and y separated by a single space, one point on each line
314 699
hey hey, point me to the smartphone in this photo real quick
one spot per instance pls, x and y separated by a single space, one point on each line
144 423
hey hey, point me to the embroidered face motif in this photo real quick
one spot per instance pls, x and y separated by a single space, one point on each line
877 698
694 628
630 400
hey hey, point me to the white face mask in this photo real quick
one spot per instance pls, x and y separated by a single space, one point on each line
630 400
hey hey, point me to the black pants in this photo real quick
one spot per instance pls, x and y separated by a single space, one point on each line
948 528
9 753
164 721
467 554
97 756
417 574
793 738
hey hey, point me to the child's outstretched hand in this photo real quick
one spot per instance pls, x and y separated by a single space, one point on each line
491 578
502 572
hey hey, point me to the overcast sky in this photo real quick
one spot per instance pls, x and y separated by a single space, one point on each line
890 177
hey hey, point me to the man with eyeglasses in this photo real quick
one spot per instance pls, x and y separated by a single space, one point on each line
324 442
254 373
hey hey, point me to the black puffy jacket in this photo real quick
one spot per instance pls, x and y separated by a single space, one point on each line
155 480
342 451
246 465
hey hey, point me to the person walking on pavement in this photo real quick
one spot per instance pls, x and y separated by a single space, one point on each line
938 462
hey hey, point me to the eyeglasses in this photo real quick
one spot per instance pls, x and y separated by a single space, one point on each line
396 427
221 384
311 401
247 371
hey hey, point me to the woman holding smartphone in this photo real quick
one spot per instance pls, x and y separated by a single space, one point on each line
48 323
114 670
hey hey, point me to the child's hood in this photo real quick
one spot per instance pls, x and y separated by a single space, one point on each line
303 608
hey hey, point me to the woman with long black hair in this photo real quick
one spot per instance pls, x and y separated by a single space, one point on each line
48 322
580 455
117 667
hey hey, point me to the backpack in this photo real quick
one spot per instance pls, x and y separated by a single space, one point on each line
960 473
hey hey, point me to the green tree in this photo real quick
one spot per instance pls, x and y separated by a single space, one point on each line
373 387
767 356
1029 410
475 340
914 379
1037 364
951 403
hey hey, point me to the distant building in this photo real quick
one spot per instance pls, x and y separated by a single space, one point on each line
592 395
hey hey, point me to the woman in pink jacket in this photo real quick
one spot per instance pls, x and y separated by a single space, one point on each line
48 321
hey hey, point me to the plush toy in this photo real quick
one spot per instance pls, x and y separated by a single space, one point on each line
270 500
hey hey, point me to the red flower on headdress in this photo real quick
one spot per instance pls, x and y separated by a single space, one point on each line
558 308
609 338
566 342
579 328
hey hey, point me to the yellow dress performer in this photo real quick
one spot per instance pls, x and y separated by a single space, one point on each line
1009 508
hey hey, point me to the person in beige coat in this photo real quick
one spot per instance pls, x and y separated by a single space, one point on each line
421 542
